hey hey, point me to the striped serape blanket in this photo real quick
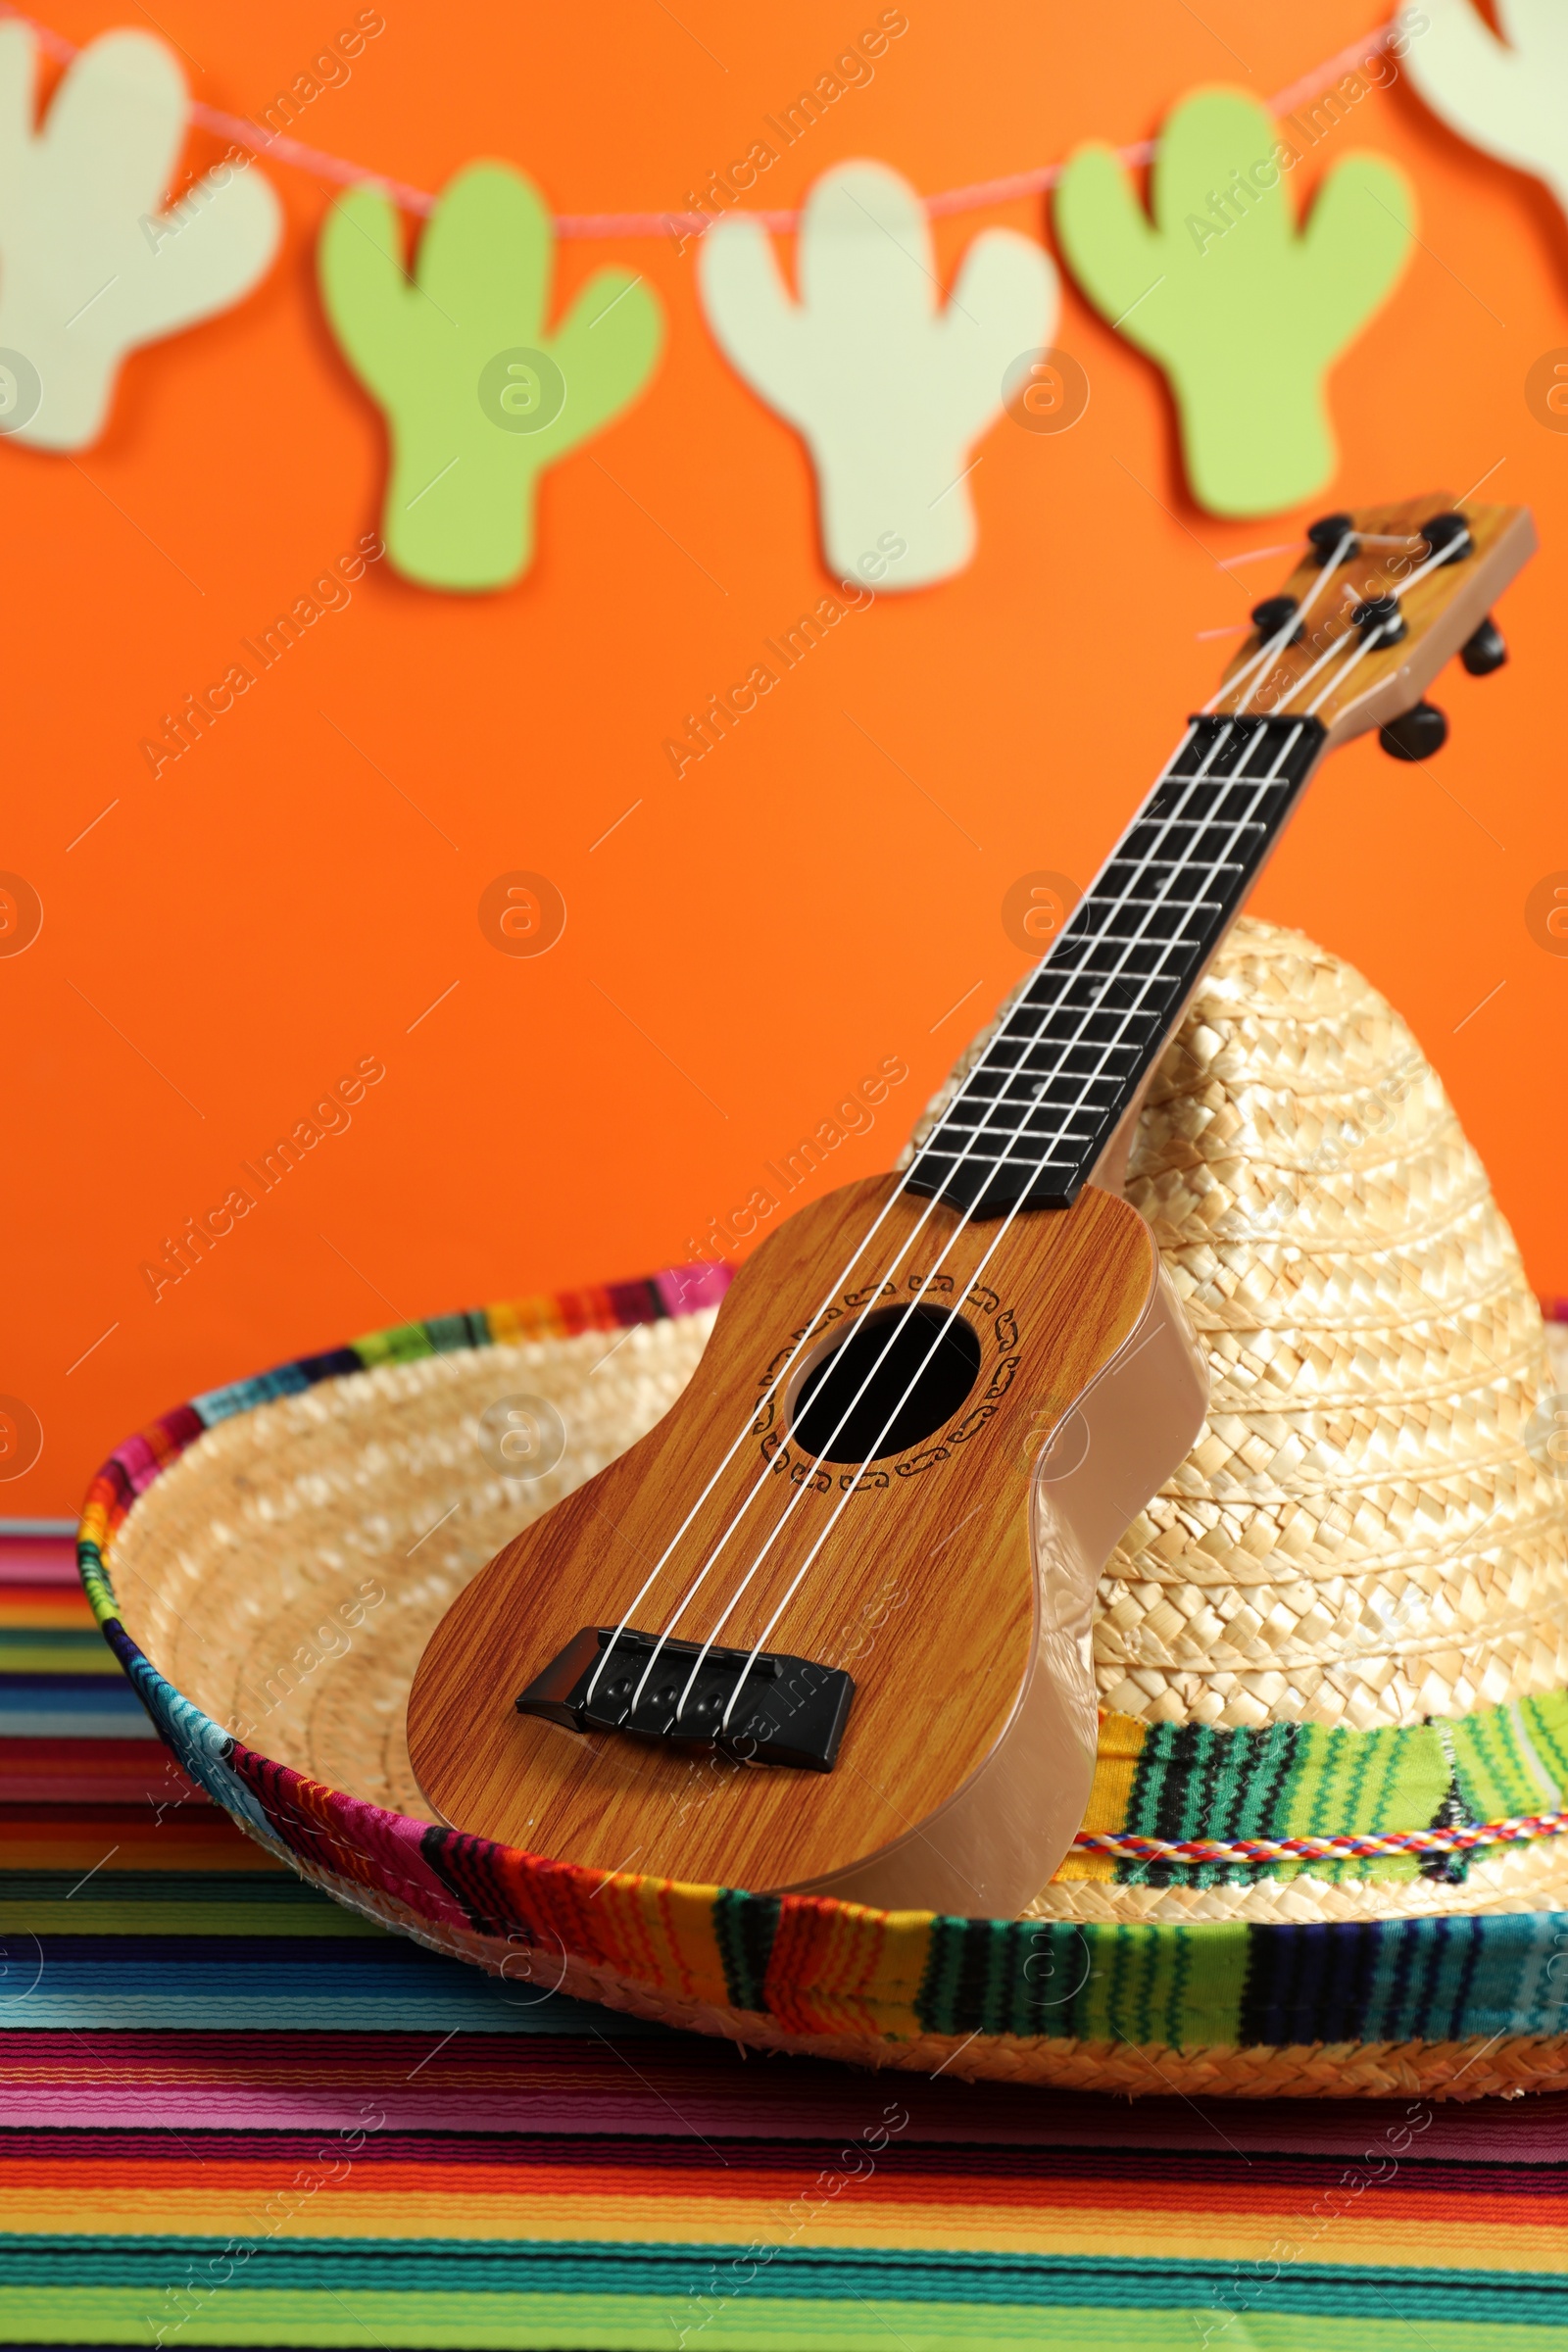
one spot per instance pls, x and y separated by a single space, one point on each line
236 2114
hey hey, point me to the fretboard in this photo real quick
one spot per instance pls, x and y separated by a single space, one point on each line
1033 1117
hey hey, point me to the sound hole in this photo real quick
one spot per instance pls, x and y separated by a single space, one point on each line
939 1390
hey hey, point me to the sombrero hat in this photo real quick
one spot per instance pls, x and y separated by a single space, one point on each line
1325 1850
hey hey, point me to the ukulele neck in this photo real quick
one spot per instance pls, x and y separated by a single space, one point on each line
1037 1114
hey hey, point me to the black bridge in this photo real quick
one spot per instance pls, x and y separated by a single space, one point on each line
789 1710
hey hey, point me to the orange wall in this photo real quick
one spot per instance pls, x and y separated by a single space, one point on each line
762 933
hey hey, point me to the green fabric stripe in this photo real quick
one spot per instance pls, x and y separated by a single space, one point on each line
402 1345
936 2001
1260 1799
1547 1718
52 1636
595 2323
448 1333
744 1927
196 1902
598 2322
1285 1780
1140 1991
1149 1779
1290 1781
1396 1778
484 2283
271 1892
1312 1789
994 1939
1495 1780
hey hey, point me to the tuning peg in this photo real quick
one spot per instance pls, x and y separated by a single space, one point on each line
1270 616
1325 534
1381 613
1416 734
1486 651
1447 536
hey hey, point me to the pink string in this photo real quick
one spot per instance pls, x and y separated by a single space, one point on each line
979 196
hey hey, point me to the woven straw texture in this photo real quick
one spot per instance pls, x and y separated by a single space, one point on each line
355 1513
1362 1534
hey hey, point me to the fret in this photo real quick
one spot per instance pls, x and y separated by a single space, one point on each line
1058 1053
1115 905
1092 981
1047 1129
1032 1118
1196 824
1087 1087
1171 865
1213 841
1054 1092
1095 990
1139 939
1209 796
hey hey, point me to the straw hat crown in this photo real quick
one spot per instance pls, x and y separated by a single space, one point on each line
1369 1530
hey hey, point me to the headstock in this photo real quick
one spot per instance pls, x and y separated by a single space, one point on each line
1375 609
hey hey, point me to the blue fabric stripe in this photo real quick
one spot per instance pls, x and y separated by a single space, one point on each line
327 1992
241 1396
44 1720
103 1691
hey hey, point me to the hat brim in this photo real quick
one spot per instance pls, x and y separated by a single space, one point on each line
239 1554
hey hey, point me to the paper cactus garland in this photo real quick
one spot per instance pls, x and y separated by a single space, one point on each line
91 263
889 386
1243 310
1508 97
480 394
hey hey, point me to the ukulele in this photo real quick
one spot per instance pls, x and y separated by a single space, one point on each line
826 1626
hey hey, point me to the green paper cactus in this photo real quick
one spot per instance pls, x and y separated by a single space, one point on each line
1244 311
481 395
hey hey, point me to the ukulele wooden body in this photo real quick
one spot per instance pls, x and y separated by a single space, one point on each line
956 1585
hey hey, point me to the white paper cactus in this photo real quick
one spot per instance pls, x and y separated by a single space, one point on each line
889 389
90 265
1508 97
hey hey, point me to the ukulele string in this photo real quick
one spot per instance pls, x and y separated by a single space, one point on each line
983 1130
1358 654
1257 663
1327 574
1331 652
1263 785
1071 1110
808 1333
982 1133
880 1282
1289 547
1366 642
977 1137
1282 636
1276 644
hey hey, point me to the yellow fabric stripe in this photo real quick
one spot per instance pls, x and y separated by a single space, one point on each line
666 1933
532 2212
57 1657
516 1319
1121 1744
849 1971
69 1614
